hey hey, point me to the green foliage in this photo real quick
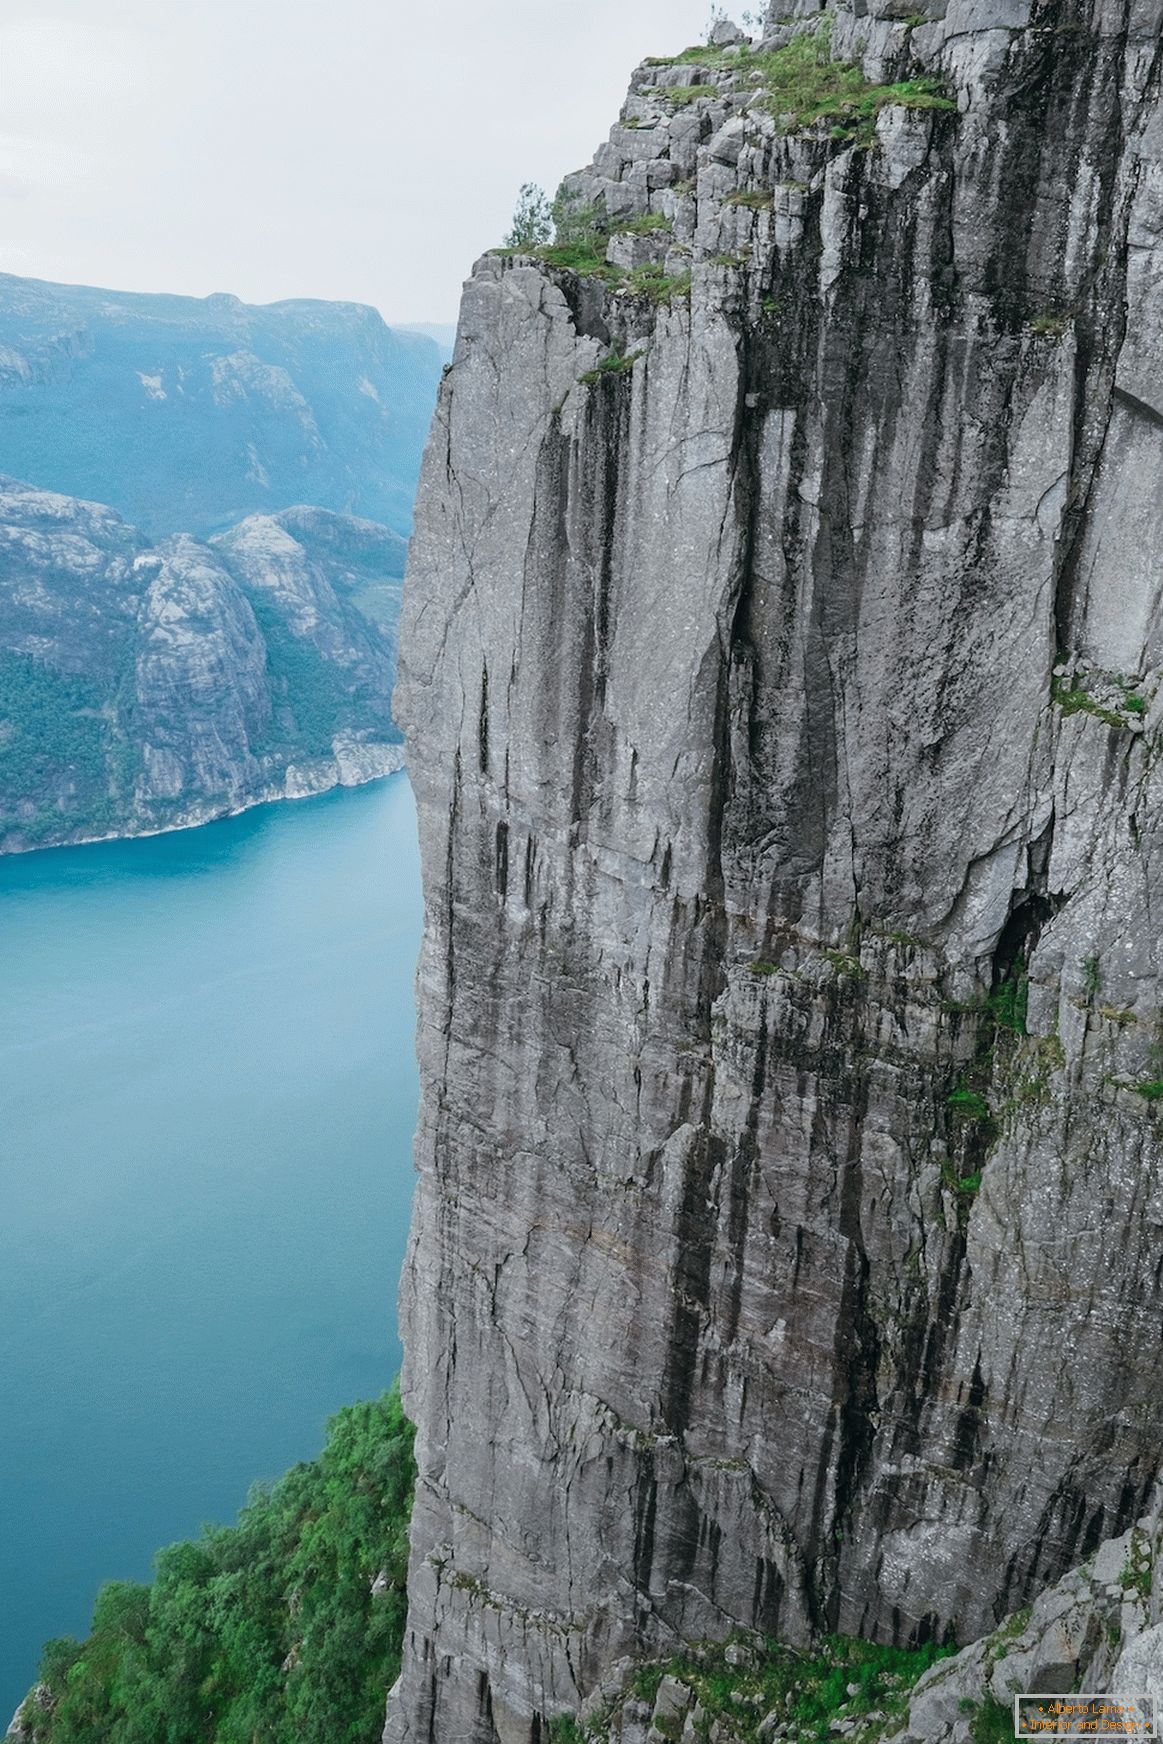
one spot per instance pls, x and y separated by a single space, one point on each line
584 257
615 363
969 1104
1151 1090
679 96
268 1629
565 1730
1091 975
802 84
1135 1574
845 963
762 968
311 703
967 1185
569 233
810 1688
1007 1003
646 224
532 219
652 281
1076 699
992 1722
645 1681
52 728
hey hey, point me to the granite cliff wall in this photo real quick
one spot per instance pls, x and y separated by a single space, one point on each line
780 670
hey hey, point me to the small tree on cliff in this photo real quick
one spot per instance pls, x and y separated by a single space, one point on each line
532 219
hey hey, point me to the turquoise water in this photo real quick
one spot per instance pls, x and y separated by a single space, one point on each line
207 1094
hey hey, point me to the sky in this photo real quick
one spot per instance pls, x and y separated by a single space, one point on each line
366 150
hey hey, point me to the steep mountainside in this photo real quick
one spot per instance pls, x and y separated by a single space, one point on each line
144 686
188 414
780 671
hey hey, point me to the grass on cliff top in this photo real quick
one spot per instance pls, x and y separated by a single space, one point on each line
808 1689
801 83
267 1629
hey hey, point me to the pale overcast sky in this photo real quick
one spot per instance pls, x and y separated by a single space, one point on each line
359 149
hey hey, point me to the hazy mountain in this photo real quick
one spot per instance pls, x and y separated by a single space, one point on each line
187 414
442 333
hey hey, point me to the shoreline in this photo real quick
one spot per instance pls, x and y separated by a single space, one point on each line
344 774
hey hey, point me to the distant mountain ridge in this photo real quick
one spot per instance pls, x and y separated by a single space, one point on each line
188 414
148 686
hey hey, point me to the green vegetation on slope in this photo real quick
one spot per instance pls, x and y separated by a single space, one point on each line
741 1685
286 1626
49 721
802 83
59 737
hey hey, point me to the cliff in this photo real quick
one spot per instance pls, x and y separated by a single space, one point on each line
780 672
143 687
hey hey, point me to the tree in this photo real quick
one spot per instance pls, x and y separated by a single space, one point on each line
532 219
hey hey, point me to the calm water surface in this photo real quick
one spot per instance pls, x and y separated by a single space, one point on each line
207 1094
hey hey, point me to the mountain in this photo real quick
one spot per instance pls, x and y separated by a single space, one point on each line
442 333
782 677
146 685
186 414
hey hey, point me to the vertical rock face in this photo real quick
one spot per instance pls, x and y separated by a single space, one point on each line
782 701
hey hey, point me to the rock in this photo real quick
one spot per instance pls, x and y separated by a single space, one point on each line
146 688
671 1705
1139 1670
732 1299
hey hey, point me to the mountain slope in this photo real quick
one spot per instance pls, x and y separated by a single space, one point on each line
146 686
188 414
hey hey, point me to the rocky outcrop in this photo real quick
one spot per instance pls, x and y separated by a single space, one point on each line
1097 1630
146 687
781 660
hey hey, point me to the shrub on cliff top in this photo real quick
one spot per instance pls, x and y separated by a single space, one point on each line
532 220
286 1626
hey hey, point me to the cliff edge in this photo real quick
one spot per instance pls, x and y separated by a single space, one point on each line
780 671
